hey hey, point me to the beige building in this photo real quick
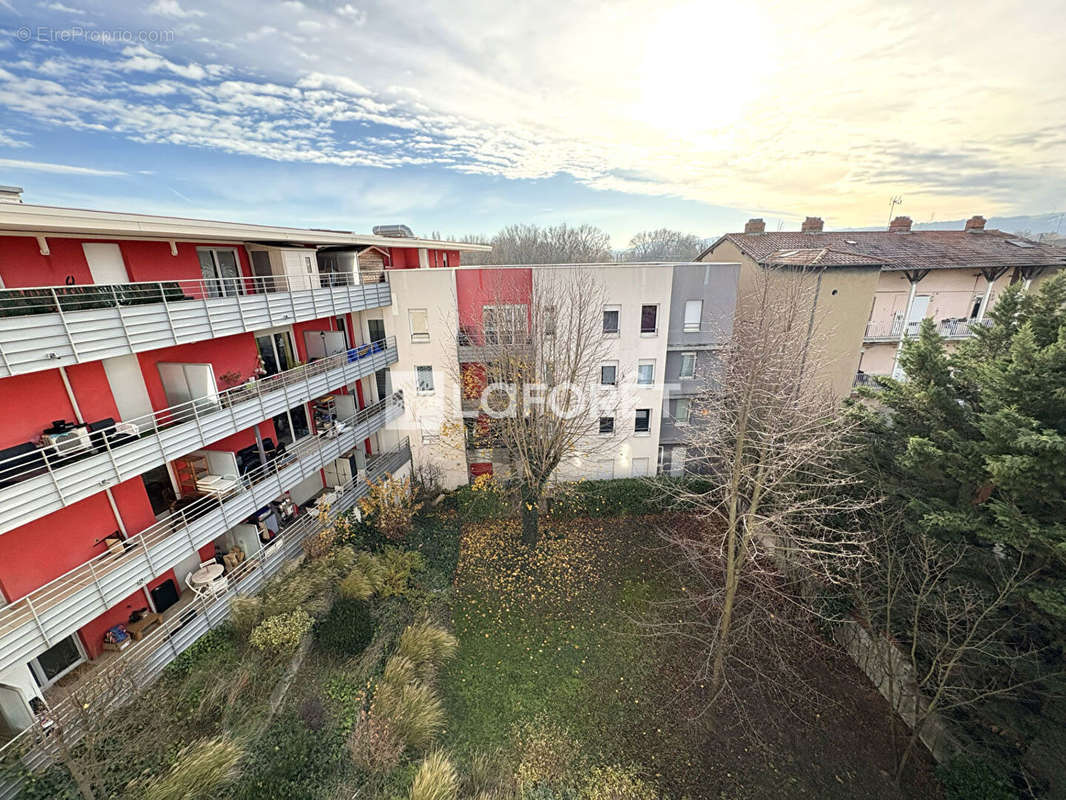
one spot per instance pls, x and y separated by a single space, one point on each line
871 289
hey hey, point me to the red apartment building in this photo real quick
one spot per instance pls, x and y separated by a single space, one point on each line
181 402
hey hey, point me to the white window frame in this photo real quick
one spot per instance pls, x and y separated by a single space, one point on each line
618 320
216 285
646 362
516 327
686 404
418 335
613 365
419 387
689 325
689 355
654 332
38 672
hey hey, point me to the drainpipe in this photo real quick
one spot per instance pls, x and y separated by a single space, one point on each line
259 445
70 395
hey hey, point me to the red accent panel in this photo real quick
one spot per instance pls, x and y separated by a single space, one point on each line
245 438
152 261
481 468
92 391
133 505
29 403
21 262
92 633
488 286
325 324
236 353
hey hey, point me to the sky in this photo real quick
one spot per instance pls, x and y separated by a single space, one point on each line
468 115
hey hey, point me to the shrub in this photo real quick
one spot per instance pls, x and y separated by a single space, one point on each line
245 613
427 646
969 778
282 633
482 500
292 761
397 568
199 771
617 783
321 543
357 586
436 779
547 756
374 743
313 713
390 507
347 629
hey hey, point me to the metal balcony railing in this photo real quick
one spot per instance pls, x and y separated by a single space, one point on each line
57 609
141 663
48 478
51 326
954 328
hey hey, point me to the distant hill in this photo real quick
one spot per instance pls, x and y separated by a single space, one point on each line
1033 224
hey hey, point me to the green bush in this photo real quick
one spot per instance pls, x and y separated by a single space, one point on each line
617 783
281 634
483 500
969 778
347 629
291 761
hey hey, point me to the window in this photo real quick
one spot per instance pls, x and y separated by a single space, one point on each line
681 410
57 661
643 421
610 319
220 271
424 380
649 319
608 374
688 366
504 324
606 424
693 315
419 319
646 373
276 351
639 467
444 258
549 320
291 425
605 470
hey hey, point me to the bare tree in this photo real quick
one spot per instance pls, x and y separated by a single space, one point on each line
533 244
535 372
663 244
934 639
769 435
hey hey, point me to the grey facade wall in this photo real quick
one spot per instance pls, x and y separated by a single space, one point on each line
714 284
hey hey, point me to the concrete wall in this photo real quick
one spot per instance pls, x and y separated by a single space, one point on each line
716 285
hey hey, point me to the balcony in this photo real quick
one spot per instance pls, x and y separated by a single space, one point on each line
955 328
140 664
53 326
39 481
35 622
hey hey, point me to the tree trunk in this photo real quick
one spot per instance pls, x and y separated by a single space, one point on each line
731 581
530 518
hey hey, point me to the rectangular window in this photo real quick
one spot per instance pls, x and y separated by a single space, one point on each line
693 315
643 421
424 380
610 319
504 324
606 424
549 320
688 366
646 373
419 319
608 374
649 319
681 410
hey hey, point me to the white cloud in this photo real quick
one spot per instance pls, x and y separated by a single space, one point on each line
172 8
140 59
64 9
66 169
356 15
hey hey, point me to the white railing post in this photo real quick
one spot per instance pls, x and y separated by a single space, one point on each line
66 327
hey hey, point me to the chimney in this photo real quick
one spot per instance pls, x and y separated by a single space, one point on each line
754 226
10 194
900 225
812 225
975 223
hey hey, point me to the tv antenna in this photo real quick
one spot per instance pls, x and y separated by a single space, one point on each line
896 201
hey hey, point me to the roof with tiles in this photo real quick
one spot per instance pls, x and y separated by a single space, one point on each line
906 250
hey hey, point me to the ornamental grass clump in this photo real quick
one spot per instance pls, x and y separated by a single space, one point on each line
436 779
413 709
427 646
199 771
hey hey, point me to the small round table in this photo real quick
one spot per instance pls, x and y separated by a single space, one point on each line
205 576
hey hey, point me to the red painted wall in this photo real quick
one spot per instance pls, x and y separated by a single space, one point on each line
21 262
92 633
488 286
227 354
245 438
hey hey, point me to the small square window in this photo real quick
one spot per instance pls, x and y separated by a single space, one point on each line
645 373
610 320
643 421
419 321
608 375
649 319
693 315
688 366
681 410
606 424
424 380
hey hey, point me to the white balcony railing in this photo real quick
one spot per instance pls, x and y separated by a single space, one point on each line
39 481
139 665
54 611
957 328
52 326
